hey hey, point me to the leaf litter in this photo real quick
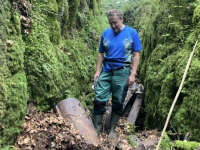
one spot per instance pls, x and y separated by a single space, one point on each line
48 130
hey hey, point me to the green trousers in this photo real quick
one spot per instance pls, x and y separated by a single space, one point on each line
115 83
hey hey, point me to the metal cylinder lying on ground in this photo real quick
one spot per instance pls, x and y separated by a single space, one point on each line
72 110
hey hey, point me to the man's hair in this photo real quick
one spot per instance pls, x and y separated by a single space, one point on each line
114 12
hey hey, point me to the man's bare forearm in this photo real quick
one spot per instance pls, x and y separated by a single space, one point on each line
99 62
98 67
136 58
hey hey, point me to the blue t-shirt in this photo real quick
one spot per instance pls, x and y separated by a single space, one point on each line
118 48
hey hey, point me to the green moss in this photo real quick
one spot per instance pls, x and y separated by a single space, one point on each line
9 147
185 145
63 16
14 84
87 102
131 128
166 143
3 68
196 16
58 72
131 140
43 66
168 36
2 99
41 63
14 87
15 107
73 7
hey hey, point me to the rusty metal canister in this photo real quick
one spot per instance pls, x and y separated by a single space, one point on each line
72 110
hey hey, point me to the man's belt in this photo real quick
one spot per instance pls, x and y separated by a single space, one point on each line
115 61
122 67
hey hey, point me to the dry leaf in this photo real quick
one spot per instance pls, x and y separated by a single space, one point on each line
26 31
27 140
9 43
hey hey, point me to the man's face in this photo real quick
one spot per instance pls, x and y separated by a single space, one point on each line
116 23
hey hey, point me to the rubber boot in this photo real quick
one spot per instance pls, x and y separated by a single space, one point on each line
113 123
98 122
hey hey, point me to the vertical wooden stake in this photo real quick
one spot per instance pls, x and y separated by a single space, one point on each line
176 97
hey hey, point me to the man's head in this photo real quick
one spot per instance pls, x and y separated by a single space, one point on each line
116 20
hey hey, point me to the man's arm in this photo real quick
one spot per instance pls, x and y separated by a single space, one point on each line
135 63
98 65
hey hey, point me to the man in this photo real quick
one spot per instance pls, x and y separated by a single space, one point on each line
117 46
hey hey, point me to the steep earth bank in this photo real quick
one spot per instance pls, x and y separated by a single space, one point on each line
169 30
47 53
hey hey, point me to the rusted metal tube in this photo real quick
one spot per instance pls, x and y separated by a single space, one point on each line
135 109
72 110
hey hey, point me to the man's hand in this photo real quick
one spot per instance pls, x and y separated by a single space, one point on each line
96 75
131 80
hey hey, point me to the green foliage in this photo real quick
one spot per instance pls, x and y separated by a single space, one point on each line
41 61
131 131
43 66
58 73
73 7
13 81
15 53
48 12
9 147
111 4
166 143
168 32
185 145
15 107
131 141
87 102
131 128
108 4
4 9
63 16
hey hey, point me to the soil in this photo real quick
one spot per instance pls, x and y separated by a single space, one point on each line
43 131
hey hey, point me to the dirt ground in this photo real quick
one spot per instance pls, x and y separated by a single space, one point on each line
48 130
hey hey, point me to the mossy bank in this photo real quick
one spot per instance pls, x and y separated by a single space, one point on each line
168 31
48 53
